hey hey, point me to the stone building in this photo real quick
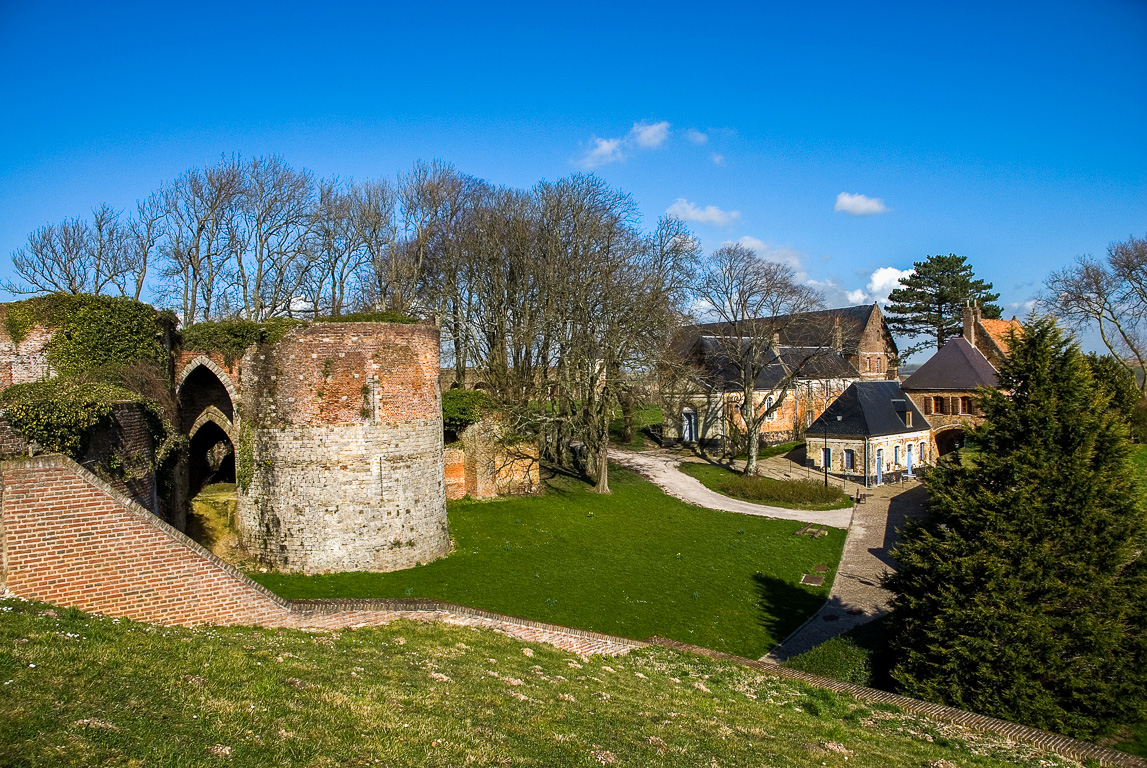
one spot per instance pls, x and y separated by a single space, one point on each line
870 434
944 388
336 437
812 359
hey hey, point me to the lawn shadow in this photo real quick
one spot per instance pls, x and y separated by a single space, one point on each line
783 606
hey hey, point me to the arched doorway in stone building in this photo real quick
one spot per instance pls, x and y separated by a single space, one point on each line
207 411
949 439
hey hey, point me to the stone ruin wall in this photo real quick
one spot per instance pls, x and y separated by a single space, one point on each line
479 467
340 437
26 361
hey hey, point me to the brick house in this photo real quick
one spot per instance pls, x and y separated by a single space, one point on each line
870 434
812 359
944 388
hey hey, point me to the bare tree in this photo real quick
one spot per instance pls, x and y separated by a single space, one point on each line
76 256
201 206
754 301
267 236
338 254
1109 295
374 221
141 238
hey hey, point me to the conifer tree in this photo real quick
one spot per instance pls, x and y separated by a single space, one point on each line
1023 595
930 301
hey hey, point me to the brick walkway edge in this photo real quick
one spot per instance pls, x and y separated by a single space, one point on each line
1060 745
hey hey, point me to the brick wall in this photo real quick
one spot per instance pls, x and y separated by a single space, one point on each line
345 423
26 361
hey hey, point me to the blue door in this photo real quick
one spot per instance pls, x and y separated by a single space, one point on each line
910 459
879 464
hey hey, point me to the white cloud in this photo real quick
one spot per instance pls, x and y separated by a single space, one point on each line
710 214
859 205
717 159
615 150
1022 307
696 136
856 297
650 135
603 152
883 281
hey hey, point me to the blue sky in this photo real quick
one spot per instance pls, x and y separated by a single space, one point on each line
1011 133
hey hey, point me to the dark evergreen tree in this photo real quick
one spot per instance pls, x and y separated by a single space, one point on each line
1023 594
931 300
1125 397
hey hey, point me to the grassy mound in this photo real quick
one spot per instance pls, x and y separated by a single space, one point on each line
634 563
790 494
80 690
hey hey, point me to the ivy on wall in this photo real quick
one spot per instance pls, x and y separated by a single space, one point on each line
231 338
92 333
61 415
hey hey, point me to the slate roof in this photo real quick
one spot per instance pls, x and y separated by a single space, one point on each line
807 329
806 362
869 409
957 366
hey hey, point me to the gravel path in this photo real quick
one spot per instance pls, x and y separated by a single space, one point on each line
661 468
856 596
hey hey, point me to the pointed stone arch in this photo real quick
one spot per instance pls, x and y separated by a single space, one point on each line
213 414
203 384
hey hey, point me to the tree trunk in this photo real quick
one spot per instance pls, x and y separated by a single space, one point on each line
749 411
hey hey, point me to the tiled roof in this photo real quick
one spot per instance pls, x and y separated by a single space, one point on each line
998 330
957 366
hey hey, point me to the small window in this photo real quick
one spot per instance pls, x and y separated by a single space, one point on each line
896 455
927 406
938 405
879 364
921 453
768 405
966 405
849 458
826 457
908 418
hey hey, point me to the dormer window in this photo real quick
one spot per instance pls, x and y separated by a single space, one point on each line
908 418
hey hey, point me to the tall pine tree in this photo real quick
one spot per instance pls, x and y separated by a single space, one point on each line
930 301
1024 594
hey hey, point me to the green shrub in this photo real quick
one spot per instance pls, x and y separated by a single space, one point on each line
859 656
463 407
83 341
60 415
766 489
231 338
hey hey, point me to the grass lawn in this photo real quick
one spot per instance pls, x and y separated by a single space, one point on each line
720 479
81 690
635 563
857 656
646 416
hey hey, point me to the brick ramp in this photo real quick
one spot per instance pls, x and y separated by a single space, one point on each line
68 538
1052 742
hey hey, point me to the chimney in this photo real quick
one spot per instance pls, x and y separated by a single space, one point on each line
970 317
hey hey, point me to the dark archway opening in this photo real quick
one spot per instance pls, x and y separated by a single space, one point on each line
211 457
949 440
200 390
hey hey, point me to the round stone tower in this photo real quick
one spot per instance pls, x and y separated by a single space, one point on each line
339 449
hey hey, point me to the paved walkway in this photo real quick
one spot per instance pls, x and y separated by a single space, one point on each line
661 468
856 596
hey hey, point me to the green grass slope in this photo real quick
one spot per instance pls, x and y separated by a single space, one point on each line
77 690
634 563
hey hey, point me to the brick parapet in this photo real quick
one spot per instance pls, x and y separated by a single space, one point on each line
1052 742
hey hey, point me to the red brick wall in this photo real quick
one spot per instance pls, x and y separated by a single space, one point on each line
70 539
